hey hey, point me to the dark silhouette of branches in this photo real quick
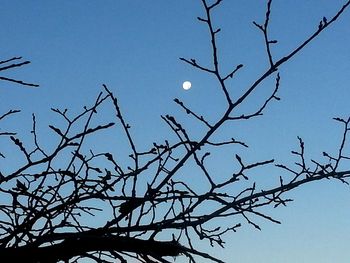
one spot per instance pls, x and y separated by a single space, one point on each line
150 212
4 65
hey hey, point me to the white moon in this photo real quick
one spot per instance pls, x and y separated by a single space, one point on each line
186 85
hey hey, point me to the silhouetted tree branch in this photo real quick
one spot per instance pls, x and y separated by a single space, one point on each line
4 65
150 211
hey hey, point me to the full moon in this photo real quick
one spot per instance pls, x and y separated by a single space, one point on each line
186 85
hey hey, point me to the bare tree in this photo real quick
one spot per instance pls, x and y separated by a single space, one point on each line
148 211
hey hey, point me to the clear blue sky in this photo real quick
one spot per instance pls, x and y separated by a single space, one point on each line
134 46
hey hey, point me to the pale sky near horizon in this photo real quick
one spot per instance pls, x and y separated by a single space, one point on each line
134 47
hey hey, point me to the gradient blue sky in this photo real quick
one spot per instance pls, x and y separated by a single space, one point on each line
134 46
